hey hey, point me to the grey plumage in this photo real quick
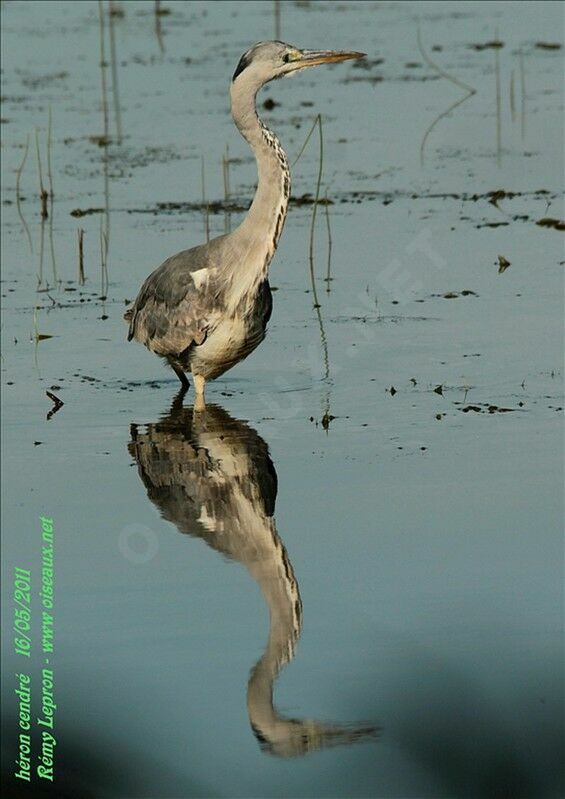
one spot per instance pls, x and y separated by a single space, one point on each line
173 317
169 313
207 308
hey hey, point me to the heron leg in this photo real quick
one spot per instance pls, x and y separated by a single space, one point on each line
180 374
199 384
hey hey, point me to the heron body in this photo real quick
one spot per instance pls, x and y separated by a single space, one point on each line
207 308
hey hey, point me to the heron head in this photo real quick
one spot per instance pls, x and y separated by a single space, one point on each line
266 61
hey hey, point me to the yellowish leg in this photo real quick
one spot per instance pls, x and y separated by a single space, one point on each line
199 383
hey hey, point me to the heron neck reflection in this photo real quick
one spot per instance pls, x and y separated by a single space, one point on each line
212 477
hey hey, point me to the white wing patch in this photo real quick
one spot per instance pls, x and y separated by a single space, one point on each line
200 277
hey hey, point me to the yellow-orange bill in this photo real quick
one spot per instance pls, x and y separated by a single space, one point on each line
309 58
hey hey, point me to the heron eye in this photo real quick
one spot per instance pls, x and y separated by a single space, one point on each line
286 58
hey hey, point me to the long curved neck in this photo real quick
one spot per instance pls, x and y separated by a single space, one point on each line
273 572
262 227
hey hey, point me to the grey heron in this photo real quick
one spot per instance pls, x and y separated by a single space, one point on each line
207 308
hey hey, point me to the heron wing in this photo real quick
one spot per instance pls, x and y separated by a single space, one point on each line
173 308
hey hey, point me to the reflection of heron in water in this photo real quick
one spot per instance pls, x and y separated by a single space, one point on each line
212 477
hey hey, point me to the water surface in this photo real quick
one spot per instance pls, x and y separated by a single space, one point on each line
345 580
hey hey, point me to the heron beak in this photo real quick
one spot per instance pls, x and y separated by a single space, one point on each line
310 58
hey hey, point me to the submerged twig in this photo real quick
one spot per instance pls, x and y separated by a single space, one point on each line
315 203
159 12
440 71
205 206
104 142
114 68
314 211
105 234
523 95
105 139
37 336
328 278
441 116
327 417
52 243
106 201
277 20
41 253
226 173
498 101
43 194
226 176
306 140
317 306
49 146
18 197
461 84
104 264
324 341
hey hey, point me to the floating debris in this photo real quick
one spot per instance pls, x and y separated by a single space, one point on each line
452 295
43 81
493 45
78 212
495 196
503 264
308 199
101 141
486 408
547 221
548 45
326 419
57 404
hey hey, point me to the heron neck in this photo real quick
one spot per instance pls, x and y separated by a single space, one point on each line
262 227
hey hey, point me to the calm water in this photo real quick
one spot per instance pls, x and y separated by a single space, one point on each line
347 579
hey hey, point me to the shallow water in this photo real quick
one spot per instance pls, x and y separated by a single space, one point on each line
369 520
